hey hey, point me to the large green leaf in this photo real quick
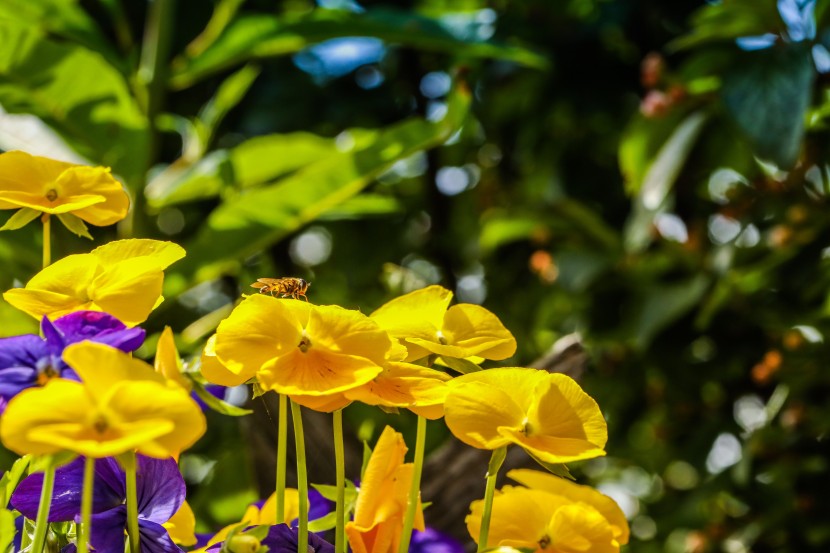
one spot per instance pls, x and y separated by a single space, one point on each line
768 94
261 36
658 181
260 217
256 161
728 20
77 93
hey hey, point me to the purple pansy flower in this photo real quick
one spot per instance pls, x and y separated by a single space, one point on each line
160 492
30 360
433 541
282 539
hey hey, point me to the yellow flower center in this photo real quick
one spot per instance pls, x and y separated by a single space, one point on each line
544 542
304 344
51 194
441 339
100 423
46 375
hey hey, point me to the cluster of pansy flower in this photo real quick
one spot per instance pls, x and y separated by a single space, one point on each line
100 431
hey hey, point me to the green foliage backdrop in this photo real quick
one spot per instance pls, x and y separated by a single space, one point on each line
645 181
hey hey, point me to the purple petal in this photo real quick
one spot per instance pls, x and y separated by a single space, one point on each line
160 488
70 549
319 506
282 539
19 359
433 541
112 477
66 496
155 539
107 532
98 327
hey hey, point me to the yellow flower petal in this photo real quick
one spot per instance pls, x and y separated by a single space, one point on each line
52 186
405 385
577 528
56 403
167 362
418 314
258 330
316 372
102 367
182 526
478 331
606 506
479 405
322 404
85 440
519 518
215 372
382 498
344 330
156 253
105 280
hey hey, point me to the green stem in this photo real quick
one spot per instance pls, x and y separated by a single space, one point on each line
415 487
340 470
128 460
302 478
496 461
282 443
47 240
42 522
86 505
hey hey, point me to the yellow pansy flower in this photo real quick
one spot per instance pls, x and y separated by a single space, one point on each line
544 522
548 415
56 188
296 348
607 507
422 322
123 278
121 405
381 501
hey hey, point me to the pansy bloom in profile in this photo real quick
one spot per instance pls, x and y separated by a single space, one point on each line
548 415
296 348
378 521
121 404
423 323
553 515
30 360
37 185
160 494
123 278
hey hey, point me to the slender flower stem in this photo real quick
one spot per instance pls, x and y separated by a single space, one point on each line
415 487
86 506
47 239
302 478
340 470
129 462
496 461
42 522
282 445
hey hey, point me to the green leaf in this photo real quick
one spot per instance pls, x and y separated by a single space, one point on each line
261 36
253 162
230 93
64 18
11 478
768 94
462 366
217 404
21 218
261 217
659 180
76 92
7 530
558 469
662 304
726 21
363 207
74 224
323 523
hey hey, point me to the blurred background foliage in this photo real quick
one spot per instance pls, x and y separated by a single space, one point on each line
637 187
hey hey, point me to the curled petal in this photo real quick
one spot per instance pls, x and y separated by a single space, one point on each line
316 373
